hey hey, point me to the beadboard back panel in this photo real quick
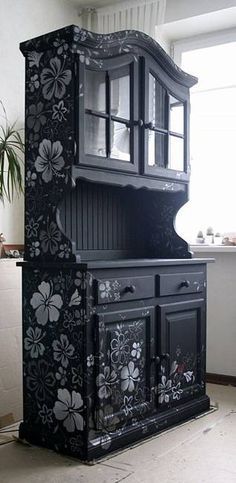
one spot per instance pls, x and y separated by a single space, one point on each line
101 217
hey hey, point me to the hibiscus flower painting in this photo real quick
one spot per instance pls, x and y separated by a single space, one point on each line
55 79
49 162
67 409
46 304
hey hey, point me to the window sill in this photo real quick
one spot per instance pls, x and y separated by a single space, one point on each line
213 249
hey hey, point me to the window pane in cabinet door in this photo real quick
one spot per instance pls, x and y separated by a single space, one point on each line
157 101
120 97
156 149
176 116
95 135
120 141
176 153
95 90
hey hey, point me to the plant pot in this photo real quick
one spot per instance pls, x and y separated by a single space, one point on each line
209 239
2 252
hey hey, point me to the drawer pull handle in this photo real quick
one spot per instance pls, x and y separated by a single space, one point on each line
185 283
130 289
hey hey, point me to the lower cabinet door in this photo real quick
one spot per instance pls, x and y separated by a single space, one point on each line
124 382
182 352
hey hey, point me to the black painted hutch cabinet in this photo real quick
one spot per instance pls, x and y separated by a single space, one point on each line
114 321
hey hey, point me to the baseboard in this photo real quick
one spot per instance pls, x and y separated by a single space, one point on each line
222 379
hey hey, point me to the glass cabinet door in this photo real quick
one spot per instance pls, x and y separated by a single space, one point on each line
164 130
108 127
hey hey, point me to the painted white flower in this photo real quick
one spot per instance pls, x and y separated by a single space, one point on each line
90 360
176 391
61 376
46 304
136 351
80 280
188 375
63 350
34 249
68 408
49 161
55 79
105 289
105 381
46 414
33 342
119 349
75 298
164 390
129 375
59 111
127 405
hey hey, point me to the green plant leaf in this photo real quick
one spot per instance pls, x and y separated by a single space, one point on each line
11 148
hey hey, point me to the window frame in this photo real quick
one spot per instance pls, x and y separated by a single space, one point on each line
181 94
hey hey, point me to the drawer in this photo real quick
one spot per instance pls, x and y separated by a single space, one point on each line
180 283
124 289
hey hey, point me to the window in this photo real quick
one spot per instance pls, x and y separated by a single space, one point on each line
212 140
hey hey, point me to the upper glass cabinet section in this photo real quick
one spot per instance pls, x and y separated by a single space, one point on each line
165 131
109 109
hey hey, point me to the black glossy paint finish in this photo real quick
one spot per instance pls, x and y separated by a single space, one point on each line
113 304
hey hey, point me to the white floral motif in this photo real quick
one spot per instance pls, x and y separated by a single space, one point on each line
136 351
49 238
46 304
49 161
105 381
63 350
55 79
67 409
75 298
188 375
35 249
105 289
80 280
164 389
33 342
119 349
46 414
61 376
176 391
34 58
59 111
129 375
90 360
127 405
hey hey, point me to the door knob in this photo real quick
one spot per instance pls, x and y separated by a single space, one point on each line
130 288
185 283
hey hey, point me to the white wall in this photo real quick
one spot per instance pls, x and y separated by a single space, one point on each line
10 339
22 20
182 9
221 309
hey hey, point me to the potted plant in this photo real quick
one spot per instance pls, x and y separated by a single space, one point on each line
209 235
2 239
200 237
11 150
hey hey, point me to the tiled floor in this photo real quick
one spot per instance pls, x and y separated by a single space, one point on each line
200 451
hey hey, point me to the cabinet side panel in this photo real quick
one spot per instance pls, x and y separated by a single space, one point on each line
49 152
53 359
